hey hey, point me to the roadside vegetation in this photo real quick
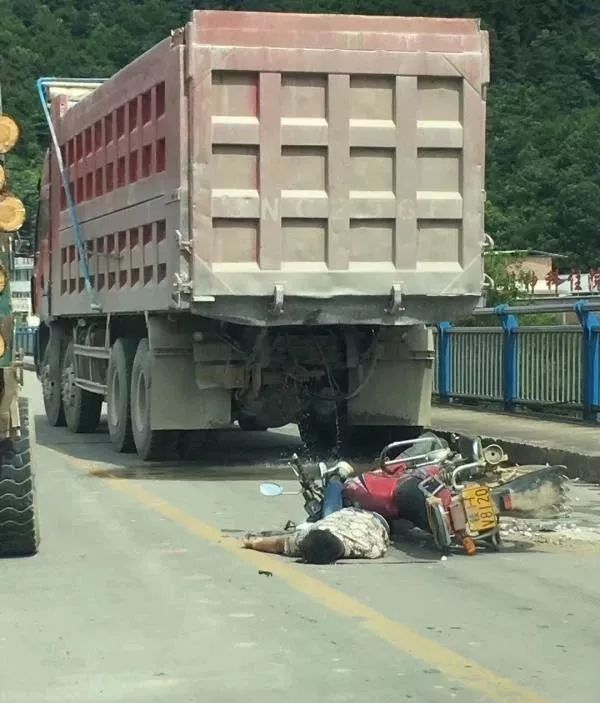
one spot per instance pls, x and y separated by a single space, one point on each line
543 180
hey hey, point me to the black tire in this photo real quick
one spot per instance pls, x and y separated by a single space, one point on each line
191 444
19 525
82 408
436 527
50 377
118 395
151 445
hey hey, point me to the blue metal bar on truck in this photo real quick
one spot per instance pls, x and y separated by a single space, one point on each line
42 85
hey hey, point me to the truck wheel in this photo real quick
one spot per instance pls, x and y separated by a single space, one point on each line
19 526
51 387
151 445
82 408
191 444
118 395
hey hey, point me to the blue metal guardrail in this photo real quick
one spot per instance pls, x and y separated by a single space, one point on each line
553 366
25 340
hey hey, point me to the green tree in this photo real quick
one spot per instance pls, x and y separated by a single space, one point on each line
543 179
509 281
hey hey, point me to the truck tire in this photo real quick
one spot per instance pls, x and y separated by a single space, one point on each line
191 444
50 377
19 525
118 394
82 408
151 445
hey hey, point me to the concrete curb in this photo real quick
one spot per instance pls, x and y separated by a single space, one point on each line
578 464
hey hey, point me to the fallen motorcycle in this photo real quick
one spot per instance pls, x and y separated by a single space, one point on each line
456 514
482 485
535 491
462 508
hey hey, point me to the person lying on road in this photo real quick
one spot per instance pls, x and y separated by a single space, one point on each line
348 533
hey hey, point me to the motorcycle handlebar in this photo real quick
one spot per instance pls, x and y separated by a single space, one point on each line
305 469
408 443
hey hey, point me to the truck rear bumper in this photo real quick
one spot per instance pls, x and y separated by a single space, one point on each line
375 310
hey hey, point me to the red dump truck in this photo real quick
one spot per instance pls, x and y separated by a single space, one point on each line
255 222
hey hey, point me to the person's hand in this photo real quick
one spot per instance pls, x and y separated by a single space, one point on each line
248 541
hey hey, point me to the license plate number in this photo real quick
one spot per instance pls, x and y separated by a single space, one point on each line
481 514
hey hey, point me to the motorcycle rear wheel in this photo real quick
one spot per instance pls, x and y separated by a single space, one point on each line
438 527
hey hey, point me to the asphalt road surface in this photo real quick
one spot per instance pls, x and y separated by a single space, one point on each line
141 593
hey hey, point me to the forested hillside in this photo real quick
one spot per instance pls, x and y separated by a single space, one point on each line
543 174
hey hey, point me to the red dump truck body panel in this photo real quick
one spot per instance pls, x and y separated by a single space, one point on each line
330 156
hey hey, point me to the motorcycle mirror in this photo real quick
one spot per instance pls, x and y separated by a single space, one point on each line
271 489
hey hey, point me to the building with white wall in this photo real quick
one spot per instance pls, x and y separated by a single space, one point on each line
20 289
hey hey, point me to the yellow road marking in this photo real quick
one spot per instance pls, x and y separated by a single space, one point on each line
403 638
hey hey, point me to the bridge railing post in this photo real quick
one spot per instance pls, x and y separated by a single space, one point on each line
510 356
444 369
590 328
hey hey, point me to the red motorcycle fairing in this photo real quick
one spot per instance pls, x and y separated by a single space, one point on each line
377 490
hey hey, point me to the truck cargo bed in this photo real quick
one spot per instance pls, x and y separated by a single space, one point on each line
266 167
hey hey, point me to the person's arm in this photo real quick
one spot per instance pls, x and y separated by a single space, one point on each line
273 545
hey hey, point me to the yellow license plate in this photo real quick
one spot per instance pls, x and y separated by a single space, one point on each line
480 510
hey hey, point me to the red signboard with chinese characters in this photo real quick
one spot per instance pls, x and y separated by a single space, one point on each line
554 279
594 280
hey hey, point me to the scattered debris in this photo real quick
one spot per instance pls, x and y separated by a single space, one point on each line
548 531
